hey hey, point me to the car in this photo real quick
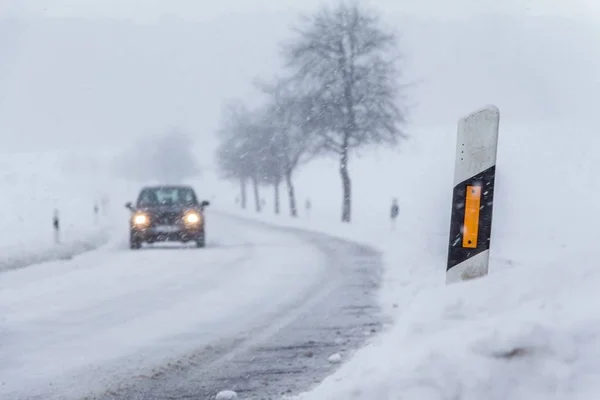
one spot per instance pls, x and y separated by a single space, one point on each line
167 214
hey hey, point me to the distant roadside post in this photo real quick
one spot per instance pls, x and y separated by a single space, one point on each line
473 195
56 227
96 211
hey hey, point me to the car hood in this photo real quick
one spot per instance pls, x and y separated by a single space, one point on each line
168 209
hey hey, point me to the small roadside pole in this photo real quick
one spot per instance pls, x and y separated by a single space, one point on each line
394 211
96 211
473 195
56 227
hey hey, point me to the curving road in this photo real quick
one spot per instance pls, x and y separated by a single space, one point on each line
258 311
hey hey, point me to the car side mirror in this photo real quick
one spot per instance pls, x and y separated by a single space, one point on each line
204 203
129 206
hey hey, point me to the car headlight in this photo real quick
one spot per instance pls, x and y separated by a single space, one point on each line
192 218
140 219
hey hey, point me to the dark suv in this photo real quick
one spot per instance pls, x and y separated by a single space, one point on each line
167 213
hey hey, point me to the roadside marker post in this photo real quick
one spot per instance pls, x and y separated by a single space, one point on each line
473 195
96 211
56 226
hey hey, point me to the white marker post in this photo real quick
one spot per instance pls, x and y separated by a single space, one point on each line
56 226
473 196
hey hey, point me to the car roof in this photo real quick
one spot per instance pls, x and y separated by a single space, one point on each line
168 187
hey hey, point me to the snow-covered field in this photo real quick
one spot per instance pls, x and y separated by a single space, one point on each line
33 186
529 329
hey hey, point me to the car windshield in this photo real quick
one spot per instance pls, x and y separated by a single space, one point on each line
166 196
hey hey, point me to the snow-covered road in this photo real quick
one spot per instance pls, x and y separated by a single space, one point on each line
118 323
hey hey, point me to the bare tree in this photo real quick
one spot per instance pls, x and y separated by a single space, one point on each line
234 154
271 168
268 152
353 64
250 151
288 114
230 167
164 158
255 157
173 159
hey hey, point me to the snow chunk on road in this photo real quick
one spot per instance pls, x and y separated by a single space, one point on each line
226 395
335 358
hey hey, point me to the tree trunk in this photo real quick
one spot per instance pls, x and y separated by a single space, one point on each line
291 194
346 188
243 194
276 188
256 194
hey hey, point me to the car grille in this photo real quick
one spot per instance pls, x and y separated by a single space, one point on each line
167 218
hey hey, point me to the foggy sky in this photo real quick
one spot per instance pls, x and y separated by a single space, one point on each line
199 10
112 72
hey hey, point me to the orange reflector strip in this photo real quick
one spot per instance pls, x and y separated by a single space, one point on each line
471 225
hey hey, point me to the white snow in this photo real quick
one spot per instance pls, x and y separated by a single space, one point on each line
529 329
226 395
114 312
335 358
33 186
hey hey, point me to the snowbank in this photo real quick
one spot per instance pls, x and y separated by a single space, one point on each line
33 186
529 330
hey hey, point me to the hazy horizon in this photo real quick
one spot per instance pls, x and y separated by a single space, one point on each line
152 10
69 81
